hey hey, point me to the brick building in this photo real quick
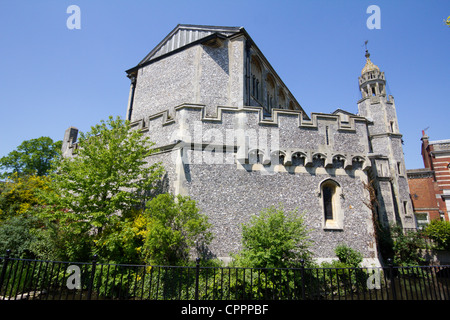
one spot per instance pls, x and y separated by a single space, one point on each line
430 186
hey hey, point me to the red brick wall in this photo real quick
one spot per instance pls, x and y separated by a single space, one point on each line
423 196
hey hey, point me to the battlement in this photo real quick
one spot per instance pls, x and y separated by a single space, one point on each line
303 122
287 137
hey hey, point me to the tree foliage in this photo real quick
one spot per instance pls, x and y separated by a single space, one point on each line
32 157
350 257
29 237
274 239
108 175
407 246
20 194
439 232
95 192
174 225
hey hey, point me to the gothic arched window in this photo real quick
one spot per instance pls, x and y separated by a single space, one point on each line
270 94
330 193
281 99
256 71
327 196
291 105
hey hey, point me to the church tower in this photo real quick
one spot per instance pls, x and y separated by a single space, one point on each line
388 174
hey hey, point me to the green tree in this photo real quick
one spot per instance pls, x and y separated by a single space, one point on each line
274 239
19 195
174 226
407 247
32 157
93 191
123 240
27 237
439 232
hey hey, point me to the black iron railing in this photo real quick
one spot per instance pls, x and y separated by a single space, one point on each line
57 280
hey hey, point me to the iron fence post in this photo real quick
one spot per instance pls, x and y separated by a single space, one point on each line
91 280
391 276
5 265
302 268
197 275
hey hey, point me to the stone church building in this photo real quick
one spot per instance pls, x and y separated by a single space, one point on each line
232 136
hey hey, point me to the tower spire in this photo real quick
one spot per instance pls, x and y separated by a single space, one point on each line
371 82
370 66
388 163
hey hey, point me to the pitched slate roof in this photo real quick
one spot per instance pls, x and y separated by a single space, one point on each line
185 34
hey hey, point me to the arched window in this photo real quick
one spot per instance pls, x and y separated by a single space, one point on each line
330 193
256 71
281 99
327 196
270 92
291 105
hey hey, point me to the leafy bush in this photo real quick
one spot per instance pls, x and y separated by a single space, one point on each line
407 247
27 237
439 232
345 275
274 239
348 256
174 225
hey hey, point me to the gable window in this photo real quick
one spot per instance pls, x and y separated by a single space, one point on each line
330 193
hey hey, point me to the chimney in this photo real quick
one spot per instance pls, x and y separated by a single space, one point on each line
426 156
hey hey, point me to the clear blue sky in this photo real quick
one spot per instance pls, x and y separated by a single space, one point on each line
52 77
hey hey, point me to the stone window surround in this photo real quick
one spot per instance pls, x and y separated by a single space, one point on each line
337 222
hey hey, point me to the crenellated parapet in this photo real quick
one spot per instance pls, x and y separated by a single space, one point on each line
286 138
277 114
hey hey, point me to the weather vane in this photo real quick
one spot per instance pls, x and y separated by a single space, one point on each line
365 43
